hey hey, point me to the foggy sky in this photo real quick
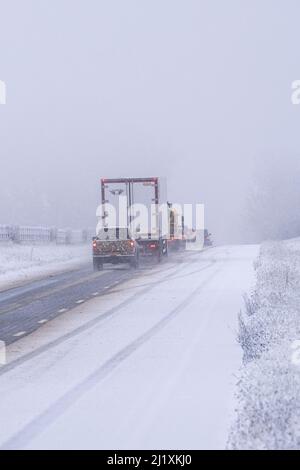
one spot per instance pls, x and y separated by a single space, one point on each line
197 91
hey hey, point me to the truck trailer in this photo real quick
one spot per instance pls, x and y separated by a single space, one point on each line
131 225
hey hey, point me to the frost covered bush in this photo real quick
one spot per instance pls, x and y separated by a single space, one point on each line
268 414
269 399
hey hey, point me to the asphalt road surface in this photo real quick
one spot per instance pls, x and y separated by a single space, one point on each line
150 365
24 309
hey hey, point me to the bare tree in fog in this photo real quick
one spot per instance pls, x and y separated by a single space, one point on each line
272 209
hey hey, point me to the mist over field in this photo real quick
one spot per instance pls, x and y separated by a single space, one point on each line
197 91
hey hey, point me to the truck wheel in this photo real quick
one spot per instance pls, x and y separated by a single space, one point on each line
166 253
160 253
165 249
97 264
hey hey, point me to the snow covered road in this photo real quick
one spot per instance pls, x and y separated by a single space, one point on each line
149 365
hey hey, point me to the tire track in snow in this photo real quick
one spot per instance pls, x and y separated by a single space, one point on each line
54 411
111 313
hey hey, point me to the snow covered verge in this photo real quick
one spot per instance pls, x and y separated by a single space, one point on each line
19 263
268 412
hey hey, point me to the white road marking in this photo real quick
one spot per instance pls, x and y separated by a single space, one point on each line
43 321
95 293
62 310
80 301
21 333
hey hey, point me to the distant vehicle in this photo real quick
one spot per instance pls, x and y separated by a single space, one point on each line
177 239
207 239
190 235
115 245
